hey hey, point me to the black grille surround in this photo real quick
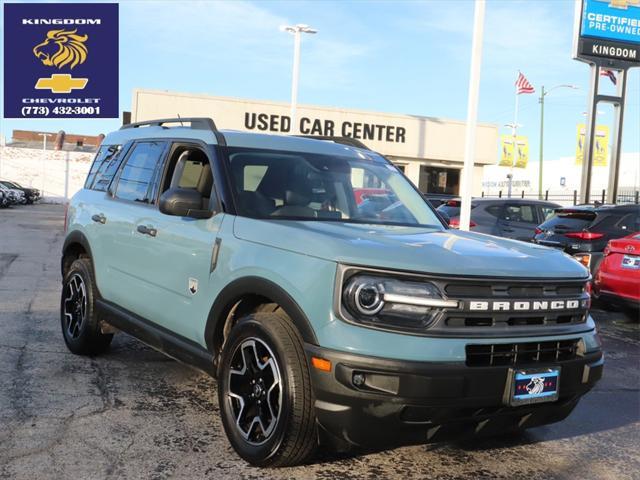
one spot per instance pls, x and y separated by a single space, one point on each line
464 322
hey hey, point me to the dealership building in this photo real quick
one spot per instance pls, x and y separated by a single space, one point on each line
429 150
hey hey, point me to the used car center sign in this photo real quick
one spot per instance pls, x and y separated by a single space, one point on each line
607 32
266 122
411 137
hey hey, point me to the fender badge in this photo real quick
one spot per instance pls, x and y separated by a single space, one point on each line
193 285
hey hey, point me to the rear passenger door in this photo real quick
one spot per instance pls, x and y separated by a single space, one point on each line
130 196
518 221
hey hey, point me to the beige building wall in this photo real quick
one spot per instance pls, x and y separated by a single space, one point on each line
405 139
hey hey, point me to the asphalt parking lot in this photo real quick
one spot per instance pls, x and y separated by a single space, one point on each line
134 413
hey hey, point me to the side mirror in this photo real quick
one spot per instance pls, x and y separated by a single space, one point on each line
183 202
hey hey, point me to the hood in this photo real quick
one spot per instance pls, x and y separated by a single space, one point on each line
417 249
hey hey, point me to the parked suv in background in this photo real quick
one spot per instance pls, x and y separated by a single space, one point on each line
585 230
248 256
31 194
509 218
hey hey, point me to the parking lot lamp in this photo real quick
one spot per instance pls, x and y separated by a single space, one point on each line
296 30
544 93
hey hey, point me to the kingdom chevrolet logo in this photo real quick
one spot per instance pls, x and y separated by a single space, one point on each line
520 306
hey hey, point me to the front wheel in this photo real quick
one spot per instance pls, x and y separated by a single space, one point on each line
264 392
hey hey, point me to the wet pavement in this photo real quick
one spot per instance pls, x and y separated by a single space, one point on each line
133 413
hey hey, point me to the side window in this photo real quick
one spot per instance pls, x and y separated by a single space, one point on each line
189 167
495 210
629 223
520 213
103 168
546 213
138 172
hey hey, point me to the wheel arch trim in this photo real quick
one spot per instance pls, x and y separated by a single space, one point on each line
254 285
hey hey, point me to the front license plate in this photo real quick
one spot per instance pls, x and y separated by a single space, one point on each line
535 386
631 261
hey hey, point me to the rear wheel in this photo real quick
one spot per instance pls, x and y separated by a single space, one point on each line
80 327
264 392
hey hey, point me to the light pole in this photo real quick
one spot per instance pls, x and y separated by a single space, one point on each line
472 114
44 154
544 93
296 30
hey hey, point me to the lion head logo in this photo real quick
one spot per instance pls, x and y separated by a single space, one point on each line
62 47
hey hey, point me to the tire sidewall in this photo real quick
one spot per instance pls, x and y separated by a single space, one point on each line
255 454
81 267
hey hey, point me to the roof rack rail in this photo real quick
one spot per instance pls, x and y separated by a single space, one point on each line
351 142
196 123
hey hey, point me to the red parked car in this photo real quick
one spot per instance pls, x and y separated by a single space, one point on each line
618 276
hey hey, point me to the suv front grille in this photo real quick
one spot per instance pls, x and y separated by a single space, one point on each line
520 354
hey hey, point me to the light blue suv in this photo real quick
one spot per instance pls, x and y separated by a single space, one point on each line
252 257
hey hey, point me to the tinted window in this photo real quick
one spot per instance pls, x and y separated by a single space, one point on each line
547 213
569 221
495 210
104 167
630 223
520 213
138 172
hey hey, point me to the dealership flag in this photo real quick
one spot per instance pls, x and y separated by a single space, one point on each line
523 85
604 72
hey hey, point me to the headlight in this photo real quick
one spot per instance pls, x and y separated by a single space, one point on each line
393 303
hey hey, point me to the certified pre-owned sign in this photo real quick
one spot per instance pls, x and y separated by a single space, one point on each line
608 32
60 60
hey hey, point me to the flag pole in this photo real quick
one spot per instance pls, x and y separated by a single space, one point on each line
514 144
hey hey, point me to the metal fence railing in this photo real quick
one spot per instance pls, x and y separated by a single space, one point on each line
625 196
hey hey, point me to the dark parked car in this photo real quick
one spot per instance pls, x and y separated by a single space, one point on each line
585 230
4 199
30 194
503 217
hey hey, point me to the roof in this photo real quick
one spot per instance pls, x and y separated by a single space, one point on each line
232 138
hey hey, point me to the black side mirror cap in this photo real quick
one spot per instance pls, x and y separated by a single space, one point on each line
183 202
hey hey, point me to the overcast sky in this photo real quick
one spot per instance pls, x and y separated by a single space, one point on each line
399 57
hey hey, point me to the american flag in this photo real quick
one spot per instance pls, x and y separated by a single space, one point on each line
523 85
604 72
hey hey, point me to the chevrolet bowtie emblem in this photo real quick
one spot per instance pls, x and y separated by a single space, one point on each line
61 83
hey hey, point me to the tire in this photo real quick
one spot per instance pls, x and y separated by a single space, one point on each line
80 328
271 346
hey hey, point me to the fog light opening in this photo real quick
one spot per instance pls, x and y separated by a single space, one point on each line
358 379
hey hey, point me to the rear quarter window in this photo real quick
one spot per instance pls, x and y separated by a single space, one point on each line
104 167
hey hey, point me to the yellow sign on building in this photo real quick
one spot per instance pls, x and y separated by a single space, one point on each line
600 145
521 154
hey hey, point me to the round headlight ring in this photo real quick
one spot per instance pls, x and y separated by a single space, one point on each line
368 299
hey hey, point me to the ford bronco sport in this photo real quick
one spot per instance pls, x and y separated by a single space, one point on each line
247 256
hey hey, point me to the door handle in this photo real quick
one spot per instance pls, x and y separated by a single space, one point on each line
507 229
99 218
143 229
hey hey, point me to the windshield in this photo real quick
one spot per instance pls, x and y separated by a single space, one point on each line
285 185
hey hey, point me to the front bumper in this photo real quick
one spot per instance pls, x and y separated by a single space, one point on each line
407 402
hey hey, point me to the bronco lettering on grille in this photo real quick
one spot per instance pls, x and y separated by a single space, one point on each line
523 306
